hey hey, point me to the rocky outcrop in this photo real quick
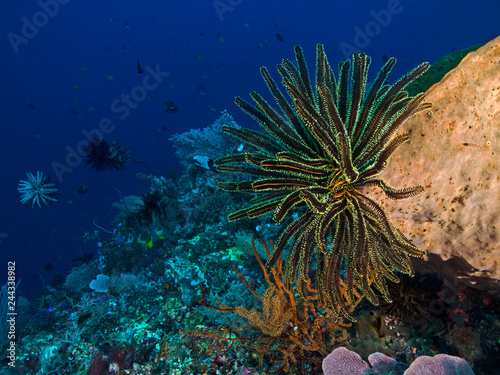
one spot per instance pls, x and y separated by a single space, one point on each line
454 151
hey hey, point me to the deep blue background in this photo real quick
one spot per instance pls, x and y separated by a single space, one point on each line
209 60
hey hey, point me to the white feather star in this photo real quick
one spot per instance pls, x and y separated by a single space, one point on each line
37 189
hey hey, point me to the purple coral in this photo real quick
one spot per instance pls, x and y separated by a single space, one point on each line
344 362
442 364
383 364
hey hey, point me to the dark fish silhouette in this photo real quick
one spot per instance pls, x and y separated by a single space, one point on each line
139 69
85 258
47 267
171 106
82 189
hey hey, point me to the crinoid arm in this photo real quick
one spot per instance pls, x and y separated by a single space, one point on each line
333 137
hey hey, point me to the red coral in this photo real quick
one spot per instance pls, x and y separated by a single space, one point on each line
125 357
99 364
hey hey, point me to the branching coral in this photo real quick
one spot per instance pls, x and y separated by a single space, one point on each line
292 332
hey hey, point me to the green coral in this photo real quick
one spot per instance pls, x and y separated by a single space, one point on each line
438 70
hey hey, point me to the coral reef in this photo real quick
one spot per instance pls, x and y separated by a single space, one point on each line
345 362
413 300
292 333
440 364
209 142
467 340
122 307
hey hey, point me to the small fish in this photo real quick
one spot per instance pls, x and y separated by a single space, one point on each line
171 106
279 37
50 309
139 68
204 162
146 239
149 235
31 105
47 267
82 189
85 258
84 317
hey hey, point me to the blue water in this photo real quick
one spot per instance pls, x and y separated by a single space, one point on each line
81 58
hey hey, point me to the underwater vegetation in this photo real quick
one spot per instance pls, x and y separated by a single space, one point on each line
315 157
296 334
